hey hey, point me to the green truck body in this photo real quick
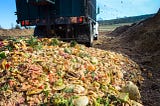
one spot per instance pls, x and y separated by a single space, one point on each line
68 19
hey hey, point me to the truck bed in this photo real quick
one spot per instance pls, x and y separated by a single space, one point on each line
43 9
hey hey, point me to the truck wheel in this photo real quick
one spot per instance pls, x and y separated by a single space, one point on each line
90 35
39 32
90 43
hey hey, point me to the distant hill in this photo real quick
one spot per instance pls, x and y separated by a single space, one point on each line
125 20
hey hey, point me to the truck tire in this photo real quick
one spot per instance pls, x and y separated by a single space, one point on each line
90 43
39 32
90 35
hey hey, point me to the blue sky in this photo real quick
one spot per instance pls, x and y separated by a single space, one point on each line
110 9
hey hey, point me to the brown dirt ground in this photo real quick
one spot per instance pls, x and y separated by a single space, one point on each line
6 33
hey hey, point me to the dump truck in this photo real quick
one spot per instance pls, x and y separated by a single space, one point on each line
64 19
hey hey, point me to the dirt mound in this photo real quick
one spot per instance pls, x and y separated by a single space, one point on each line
142 29
5 33
144 38
120 30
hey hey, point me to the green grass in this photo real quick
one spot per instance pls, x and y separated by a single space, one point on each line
111 27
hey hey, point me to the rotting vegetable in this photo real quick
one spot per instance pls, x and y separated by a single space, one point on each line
51 72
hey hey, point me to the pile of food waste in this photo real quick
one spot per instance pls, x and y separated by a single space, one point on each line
49 72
